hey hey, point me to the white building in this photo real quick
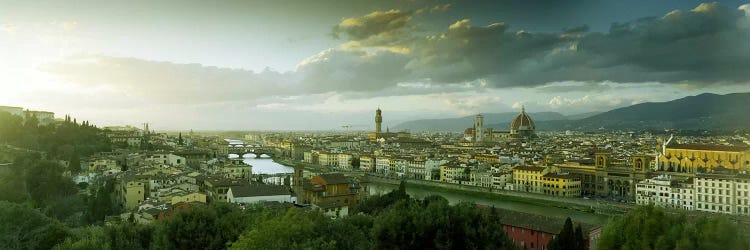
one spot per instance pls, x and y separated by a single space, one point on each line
382 165
310 157
237 169
345 161
723 193
257 193
12 110
453 173
416 169
481 179
367 163
432 169
666 191
328 159
501 180
166 159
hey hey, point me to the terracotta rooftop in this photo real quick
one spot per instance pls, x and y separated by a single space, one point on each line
259 190
334 178
542 223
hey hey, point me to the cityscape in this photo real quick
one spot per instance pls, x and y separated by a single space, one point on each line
402 125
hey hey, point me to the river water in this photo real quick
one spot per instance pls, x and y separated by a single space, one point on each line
263 165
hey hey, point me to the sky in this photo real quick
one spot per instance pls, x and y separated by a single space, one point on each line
318 65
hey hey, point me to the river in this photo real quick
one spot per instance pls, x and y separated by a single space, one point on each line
268 166
264 165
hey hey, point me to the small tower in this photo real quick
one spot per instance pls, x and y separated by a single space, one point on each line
478 128
297 184
378 120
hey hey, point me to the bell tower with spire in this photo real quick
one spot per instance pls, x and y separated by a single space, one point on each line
378 120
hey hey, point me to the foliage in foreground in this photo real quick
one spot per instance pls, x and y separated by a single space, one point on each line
656 228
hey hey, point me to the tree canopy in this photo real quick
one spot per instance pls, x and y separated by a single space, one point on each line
656 228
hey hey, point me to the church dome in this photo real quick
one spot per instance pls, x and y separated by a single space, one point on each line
522 122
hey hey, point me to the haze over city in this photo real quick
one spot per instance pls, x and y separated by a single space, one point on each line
316 65
378 124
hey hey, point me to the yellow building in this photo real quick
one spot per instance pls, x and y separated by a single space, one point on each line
695 158
487 158
453 173
237 169
328 159
561 184
191 197
529 178
331 193
367 163
130 191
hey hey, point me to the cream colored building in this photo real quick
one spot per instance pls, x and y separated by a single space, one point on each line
344 161
666 191
328 159
383 165
310 157
416 169
166 159
453 173
189 197
481 179
130 191
367 163
723 193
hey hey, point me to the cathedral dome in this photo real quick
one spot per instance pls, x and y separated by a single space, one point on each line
522 122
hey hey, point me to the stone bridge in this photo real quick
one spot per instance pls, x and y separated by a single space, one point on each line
243 149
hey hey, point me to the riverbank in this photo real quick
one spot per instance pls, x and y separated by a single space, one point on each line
582 205
453 197
296 164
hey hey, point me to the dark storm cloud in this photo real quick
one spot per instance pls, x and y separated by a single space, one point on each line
351 70
706 45
709 43
466 52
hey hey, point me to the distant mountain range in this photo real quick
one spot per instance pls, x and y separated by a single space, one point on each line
461 123
704 111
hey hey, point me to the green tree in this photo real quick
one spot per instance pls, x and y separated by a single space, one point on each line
568 238
85 238
101 203
24 228
433 224
44 181
212 227
654 228
130 236
296 229
74 165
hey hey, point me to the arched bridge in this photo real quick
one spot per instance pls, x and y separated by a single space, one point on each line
242 149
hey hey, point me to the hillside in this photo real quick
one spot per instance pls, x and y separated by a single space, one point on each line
704 111
461 123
